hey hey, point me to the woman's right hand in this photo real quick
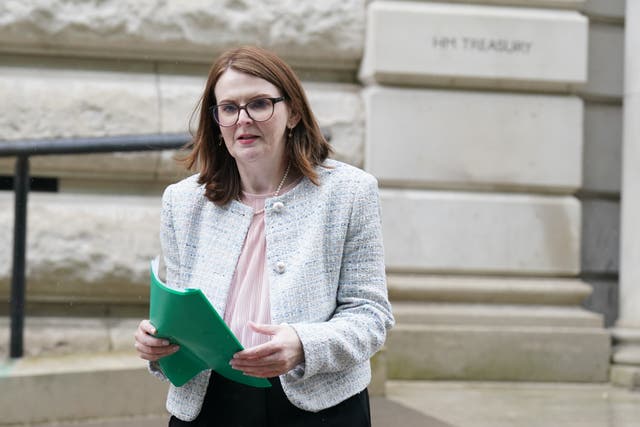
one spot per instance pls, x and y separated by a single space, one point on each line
149 347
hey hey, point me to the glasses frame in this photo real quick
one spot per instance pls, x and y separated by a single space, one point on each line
274 101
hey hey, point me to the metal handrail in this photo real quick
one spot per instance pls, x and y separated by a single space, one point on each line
22 150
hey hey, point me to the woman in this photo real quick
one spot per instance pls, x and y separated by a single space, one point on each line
286 244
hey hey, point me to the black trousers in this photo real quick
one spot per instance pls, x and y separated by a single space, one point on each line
229 404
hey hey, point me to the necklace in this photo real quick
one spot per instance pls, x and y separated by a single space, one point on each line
278 188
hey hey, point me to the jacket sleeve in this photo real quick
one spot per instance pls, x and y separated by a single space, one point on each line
358 327
168 240
169 255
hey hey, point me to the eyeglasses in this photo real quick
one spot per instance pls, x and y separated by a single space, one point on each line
259 110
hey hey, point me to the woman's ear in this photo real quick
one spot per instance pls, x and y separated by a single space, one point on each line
294 119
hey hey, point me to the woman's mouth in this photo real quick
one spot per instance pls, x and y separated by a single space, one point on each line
246 138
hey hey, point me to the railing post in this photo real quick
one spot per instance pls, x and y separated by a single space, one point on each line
21 190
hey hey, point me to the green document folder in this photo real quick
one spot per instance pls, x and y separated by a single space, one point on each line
187 318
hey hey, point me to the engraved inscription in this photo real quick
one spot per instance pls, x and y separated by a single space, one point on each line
482 44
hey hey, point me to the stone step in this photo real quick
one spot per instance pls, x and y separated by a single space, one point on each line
101 390
498 352
78 387
493 315
66 336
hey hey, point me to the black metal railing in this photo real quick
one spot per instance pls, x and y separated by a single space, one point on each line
22 150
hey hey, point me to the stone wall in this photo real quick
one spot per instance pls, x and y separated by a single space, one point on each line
117 68
492 126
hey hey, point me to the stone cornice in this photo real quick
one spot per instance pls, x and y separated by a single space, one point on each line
327 34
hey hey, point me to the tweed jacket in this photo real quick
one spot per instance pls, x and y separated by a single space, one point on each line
326 276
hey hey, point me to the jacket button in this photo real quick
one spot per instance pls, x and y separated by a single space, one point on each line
280 267
278 207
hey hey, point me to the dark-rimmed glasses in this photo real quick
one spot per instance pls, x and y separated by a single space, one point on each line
259 110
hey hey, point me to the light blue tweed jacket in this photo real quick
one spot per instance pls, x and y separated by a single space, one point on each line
326 276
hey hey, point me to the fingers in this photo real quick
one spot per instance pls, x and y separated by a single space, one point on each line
149 347
270 366
266 357
153 354
273 358
265 329
266 349
147 327
274 365
259 351
266 372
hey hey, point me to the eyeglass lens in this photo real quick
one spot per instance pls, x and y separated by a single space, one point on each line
258 110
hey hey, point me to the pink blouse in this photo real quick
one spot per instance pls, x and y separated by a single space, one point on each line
249 297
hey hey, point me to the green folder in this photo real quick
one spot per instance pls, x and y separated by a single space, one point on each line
187 318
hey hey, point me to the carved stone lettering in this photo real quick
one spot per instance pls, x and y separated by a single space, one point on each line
482 44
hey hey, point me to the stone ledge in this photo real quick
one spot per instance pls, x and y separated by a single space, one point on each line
493 315
61 336
626 376
505 290
626 335
559 4
627 355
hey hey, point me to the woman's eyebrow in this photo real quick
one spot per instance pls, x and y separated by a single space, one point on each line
249 99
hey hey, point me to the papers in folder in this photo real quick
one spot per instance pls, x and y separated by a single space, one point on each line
185 317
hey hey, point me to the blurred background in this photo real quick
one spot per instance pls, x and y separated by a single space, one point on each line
495 129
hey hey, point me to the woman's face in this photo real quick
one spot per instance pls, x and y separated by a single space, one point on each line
249 141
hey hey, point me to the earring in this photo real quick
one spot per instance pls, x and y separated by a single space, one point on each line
290 133
220 140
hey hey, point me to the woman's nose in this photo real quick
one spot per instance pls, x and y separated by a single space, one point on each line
243 116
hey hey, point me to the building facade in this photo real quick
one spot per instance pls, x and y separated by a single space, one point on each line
495 128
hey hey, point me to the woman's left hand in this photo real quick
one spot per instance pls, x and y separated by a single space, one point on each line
276 357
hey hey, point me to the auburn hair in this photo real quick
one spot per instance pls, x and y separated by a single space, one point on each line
306 149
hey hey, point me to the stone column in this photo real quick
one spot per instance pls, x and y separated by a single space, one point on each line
626 354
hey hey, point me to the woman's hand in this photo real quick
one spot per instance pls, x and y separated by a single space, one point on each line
276 357
149 347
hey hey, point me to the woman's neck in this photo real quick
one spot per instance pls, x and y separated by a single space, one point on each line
263 179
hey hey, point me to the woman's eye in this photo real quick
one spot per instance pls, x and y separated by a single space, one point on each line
228 108
260 104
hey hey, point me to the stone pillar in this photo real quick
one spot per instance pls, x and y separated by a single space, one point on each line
626 354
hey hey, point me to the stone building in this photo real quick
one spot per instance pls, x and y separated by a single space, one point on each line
494 127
